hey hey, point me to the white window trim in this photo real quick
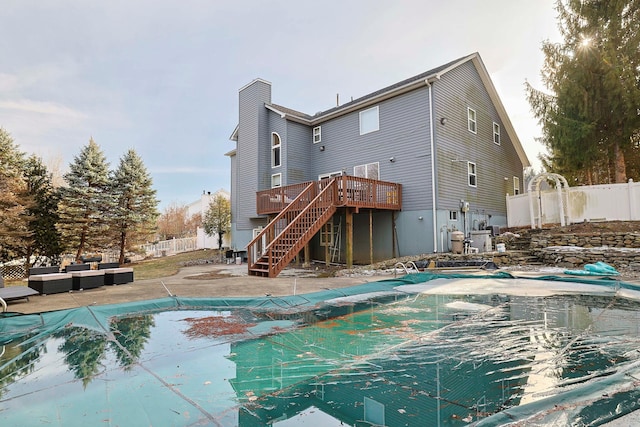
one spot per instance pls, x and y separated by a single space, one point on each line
273 147
474 120
377 126
496 134
317 132
516 185
453 214
470 174
279 175
366 170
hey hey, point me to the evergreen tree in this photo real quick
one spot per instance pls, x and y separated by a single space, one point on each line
136 213
86 205
44 217
217 219
14 200
590 118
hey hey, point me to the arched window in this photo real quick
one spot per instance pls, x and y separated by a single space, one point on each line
275 150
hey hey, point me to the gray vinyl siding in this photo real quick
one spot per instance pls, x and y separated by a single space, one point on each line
458 90
403 135
234 188
252 136
298 159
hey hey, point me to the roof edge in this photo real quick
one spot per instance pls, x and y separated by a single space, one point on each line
256 80
502 112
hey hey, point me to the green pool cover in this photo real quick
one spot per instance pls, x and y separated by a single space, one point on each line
424 349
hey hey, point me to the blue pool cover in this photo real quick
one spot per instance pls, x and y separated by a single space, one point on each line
424 349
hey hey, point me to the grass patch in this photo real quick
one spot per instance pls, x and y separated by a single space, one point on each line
168 266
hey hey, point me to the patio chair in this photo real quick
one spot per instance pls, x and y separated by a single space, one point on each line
15 292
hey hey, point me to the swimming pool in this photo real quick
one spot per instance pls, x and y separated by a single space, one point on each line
420 350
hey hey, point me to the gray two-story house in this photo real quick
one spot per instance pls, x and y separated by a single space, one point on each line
393 173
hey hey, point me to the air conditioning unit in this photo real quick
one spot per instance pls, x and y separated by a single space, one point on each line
495 229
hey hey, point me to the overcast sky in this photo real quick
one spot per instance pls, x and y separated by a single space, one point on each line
162 76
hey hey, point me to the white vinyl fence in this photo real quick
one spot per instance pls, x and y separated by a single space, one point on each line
607 202
170 247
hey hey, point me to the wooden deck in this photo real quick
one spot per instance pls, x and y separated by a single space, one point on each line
352 192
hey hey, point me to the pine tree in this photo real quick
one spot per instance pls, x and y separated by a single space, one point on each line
217 219
136 213
44 216
590 118
86 205
14 200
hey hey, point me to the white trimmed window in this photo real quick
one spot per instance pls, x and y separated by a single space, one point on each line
471 120
329 175
275 150
453 215
516 185
370 171
276 180
317 134
369 120
472 175
496 133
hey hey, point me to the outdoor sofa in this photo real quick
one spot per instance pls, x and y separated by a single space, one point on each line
114 274
86 279
49 280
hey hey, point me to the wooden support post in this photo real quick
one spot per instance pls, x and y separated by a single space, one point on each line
307 251
327 261
349 237
371 236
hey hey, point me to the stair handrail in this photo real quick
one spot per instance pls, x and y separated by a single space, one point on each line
252 253
330 188
307 206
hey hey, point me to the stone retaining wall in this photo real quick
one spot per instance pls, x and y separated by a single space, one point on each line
575 257
596 240
570 251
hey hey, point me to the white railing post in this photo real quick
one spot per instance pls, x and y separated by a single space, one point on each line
634 211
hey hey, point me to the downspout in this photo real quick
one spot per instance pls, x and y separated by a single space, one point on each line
433 169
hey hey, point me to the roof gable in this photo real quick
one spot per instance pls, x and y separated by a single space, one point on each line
404 86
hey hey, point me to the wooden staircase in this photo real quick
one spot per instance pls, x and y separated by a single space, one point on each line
281 240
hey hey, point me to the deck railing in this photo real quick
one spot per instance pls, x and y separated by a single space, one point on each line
352 191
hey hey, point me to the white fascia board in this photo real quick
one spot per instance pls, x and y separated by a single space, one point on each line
234 134
231 153
252 82
282 114
288 116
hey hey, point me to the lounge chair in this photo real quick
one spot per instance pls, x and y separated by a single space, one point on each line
15 292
